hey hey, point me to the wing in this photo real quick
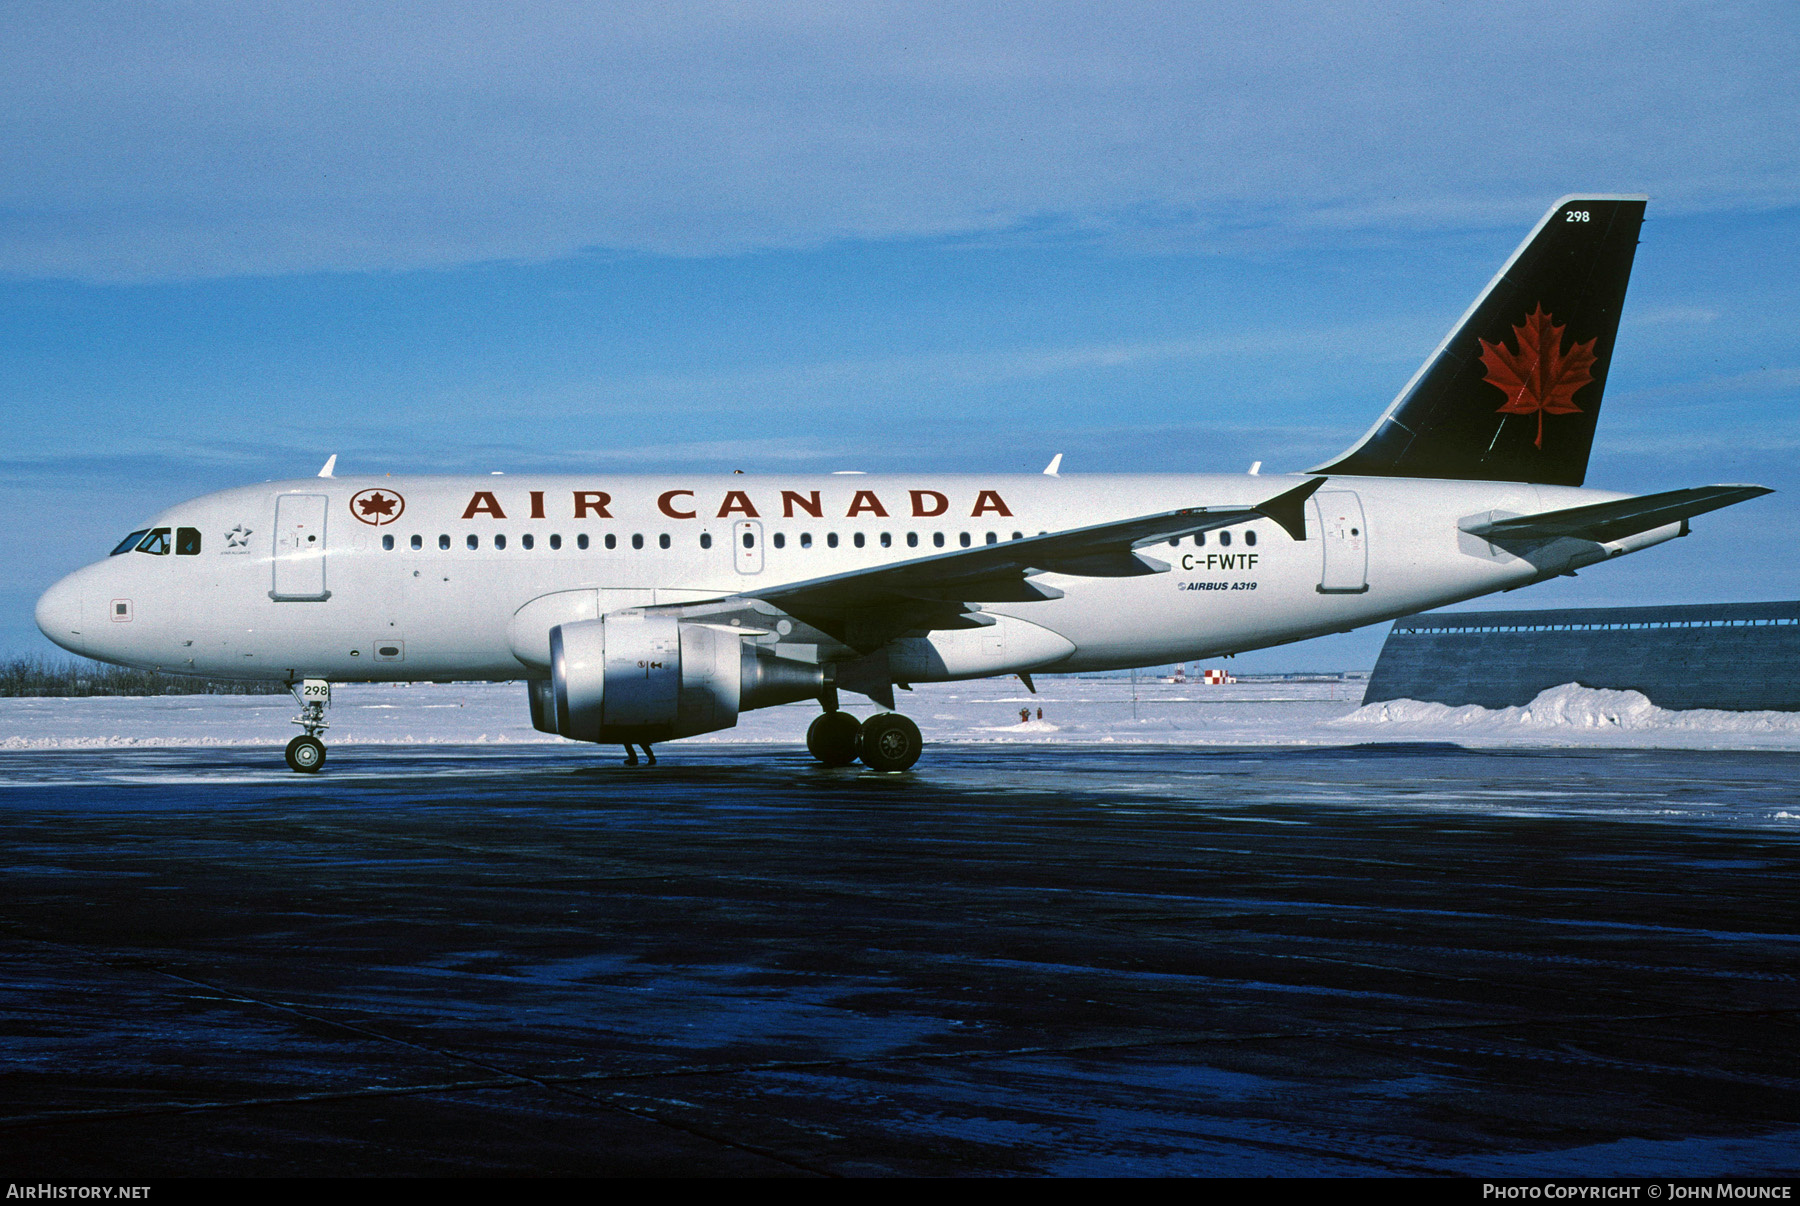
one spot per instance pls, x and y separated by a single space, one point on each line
1606 521
866 608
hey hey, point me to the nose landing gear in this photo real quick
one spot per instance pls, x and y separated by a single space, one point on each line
306 753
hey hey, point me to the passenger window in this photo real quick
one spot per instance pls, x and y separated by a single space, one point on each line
831 540
581 541
937 538
417 543
387 543
472 540
887 539
993 538
963 540
156 543
749 540
555 541
187 542
1224 540
528 540
706 540
1249 537
912 540
662 542
499 542
780 540
1018 535
637 541
612 542
443 542
130 542
857 540
806 540
1199 540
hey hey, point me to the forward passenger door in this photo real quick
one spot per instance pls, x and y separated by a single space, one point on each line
300 548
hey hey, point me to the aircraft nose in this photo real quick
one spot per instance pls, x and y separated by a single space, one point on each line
59 615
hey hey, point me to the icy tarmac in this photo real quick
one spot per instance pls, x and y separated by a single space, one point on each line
1041 953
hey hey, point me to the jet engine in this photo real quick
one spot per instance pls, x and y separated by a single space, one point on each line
632 677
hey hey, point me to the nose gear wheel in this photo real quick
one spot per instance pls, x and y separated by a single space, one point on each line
306 755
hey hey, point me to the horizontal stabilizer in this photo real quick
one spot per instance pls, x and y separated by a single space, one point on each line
1606 521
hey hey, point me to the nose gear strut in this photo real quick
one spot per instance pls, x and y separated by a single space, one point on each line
306 753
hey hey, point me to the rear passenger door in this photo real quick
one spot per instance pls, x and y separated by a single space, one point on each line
1344 542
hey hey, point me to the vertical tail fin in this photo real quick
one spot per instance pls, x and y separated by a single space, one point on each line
1513 393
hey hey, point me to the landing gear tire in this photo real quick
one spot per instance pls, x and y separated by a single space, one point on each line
306 755
833 738
891 742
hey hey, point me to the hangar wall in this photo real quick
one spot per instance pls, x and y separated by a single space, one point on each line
1733 656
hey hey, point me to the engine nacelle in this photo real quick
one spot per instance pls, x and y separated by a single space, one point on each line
642 678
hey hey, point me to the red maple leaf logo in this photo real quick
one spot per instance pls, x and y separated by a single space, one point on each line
377 504
1540 378
377 507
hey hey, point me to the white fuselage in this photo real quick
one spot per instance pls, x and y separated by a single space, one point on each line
293 580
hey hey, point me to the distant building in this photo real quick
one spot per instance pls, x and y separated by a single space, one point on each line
1731 656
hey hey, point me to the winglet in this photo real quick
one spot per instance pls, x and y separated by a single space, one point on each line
1054 468
1289 509
329 466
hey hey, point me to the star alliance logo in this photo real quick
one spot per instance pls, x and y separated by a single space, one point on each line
238 539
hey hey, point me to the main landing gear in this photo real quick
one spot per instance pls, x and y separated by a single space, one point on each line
888 742
631 758
306 753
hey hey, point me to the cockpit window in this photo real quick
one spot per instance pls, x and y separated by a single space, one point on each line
187 542
156 543
130 542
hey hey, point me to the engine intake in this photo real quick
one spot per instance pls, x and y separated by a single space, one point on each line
641 678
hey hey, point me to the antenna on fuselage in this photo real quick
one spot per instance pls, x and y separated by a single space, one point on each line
329 466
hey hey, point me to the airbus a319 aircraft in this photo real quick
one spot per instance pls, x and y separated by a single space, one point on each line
642 609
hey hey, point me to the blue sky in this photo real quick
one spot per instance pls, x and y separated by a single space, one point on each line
237 238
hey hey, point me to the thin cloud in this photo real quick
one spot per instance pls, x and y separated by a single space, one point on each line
214 138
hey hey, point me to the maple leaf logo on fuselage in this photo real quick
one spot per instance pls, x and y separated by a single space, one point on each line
1540 378
377 504
376 507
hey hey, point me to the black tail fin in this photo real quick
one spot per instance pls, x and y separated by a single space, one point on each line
1514 392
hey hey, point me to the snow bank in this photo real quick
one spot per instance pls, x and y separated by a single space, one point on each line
1573 714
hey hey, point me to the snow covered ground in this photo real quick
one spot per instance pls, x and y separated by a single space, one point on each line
1075 710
